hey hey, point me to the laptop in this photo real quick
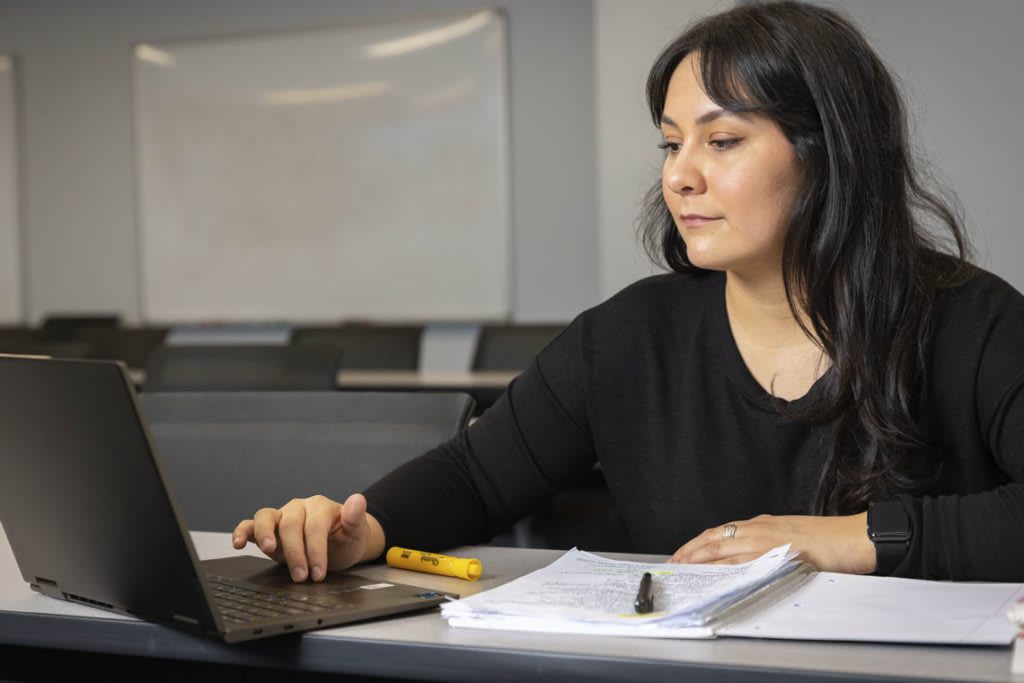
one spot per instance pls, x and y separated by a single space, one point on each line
85 505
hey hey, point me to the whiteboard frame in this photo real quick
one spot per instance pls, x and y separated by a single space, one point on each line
12 242
502 218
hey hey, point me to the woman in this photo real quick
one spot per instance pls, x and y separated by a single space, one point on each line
813 357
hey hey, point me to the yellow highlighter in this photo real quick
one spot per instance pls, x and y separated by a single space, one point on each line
418 561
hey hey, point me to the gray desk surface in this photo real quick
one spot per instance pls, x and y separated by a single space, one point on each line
426 380
423 646
401 379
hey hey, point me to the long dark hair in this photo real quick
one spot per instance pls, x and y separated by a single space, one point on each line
867 247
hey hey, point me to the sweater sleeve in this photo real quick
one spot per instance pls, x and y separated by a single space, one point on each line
977 534
529 445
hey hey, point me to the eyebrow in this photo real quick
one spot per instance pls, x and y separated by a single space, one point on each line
706 117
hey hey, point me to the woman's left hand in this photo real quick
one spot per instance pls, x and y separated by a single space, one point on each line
836 544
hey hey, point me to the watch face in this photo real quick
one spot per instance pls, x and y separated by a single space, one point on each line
888 521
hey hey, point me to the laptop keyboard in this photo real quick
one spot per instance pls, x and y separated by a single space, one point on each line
242 603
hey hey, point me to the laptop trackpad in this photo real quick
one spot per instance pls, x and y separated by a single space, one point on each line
268 574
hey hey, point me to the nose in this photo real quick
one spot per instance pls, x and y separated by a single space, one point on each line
682 175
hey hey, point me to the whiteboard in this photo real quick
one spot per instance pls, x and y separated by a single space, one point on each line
10 242
350 172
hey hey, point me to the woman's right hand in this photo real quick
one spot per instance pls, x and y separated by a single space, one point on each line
312 535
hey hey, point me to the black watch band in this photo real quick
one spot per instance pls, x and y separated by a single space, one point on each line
889 528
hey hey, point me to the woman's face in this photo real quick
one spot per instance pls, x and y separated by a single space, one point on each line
729 180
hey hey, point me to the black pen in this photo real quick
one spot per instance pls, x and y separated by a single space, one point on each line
645 596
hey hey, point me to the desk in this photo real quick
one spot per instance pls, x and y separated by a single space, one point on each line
422 646
388 379
485 387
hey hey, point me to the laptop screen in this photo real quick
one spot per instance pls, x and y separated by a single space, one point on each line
83 500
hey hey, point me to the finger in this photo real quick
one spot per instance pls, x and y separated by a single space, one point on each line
321 513
753 546
353 516
707 552
713 535
264 531
687 548
680 556
725 549
292 535
737 559
242 534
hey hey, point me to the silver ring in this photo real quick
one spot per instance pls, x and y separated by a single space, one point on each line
729 530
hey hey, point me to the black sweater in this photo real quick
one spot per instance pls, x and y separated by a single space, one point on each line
651 385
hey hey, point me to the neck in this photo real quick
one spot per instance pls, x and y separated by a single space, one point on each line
759 308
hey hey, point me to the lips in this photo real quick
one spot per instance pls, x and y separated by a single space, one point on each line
694 220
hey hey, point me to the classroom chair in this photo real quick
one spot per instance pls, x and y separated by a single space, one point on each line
243 368
17 336
582 516
511 347
31 342
366 346
130 345
230 453
62 328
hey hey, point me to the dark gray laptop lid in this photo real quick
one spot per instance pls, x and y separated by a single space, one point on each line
87 518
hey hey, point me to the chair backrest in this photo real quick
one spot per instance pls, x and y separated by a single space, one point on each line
34 345
511 347
583 516
229 454
16 337
243 368
62 328
130 345
368 347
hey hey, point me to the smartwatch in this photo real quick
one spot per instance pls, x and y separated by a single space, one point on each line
890 530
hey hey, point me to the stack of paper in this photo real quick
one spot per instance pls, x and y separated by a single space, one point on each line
585 593
771 597
1016 616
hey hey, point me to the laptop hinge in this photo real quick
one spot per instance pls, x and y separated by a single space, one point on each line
47 587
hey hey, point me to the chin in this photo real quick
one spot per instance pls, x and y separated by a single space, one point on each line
705 260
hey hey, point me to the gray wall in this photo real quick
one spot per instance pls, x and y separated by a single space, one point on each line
582 145
628 37
78 213
961 66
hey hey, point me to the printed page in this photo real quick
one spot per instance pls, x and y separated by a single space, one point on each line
847 607
582 587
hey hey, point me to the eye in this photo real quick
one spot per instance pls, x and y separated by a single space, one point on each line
669 147
722 144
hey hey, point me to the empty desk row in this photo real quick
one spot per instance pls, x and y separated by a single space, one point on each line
365 346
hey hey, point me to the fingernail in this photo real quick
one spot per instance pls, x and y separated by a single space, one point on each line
236 540
299 573
318 573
